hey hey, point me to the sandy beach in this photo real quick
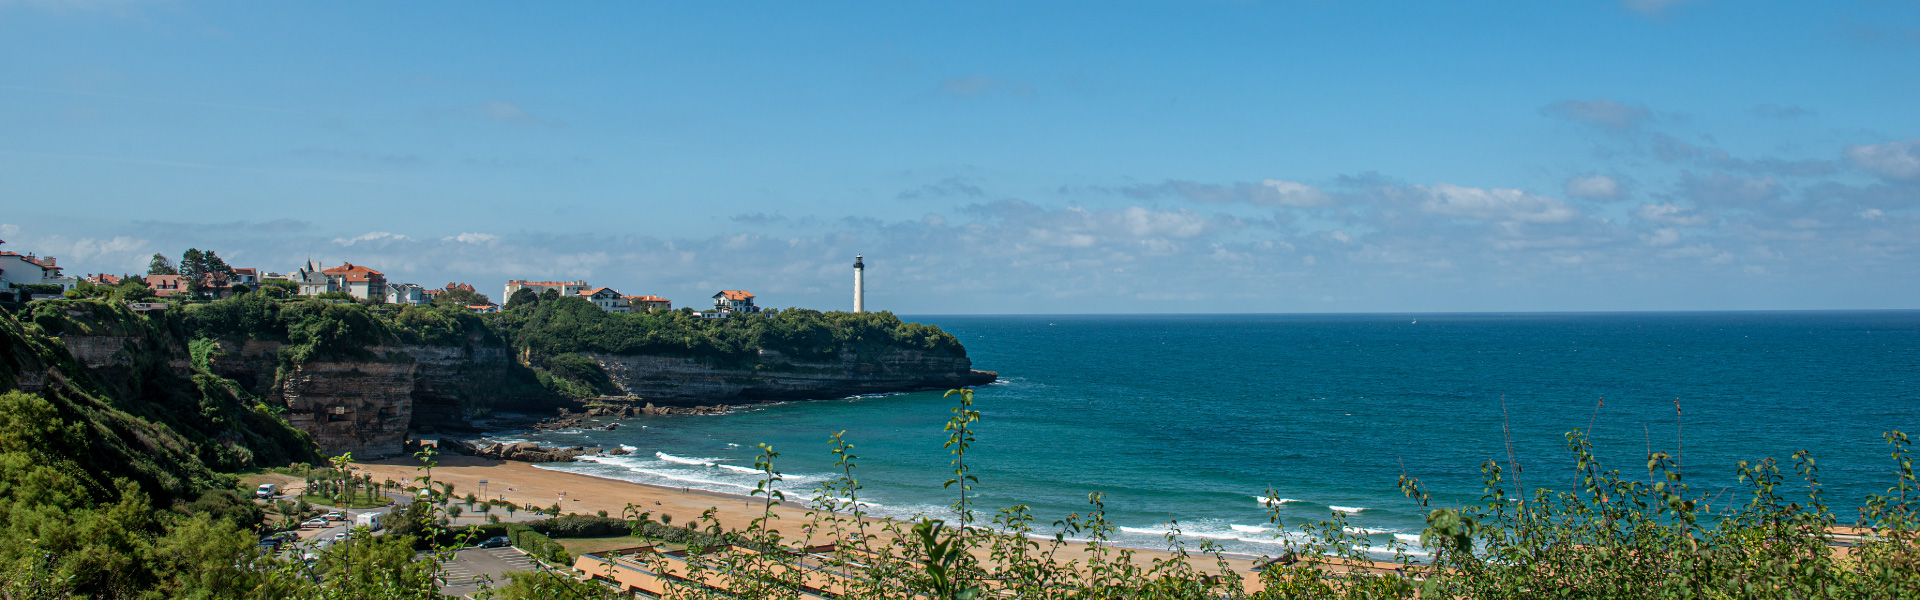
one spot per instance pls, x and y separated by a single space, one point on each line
522 483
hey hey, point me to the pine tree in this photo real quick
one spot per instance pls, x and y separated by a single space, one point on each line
161 266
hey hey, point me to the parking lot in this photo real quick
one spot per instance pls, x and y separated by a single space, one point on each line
472 565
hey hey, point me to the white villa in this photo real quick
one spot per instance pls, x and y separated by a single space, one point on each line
608 299
565 288
406 293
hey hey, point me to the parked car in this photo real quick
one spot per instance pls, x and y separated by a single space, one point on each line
335 516
266 490
316 522
499 541
340 537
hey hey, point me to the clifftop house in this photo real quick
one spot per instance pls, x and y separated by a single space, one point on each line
565 288
648 303
608 299
26 269
406 293
734 300
358 281
167 286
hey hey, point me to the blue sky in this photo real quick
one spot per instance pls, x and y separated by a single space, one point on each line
1309 156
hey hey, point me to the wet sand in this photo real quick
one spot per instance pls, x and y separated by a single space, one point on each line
522 483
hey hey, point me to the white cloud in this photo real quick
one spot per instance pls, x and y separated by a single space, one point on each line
472 238
1292 193
1497 204
1703 252
1144 222
373 236
1672 215
1872 214
1665 236
1893 160
9 229
1596 187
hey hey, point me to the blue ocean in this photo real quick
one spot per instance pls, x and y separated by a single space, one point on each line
1188 419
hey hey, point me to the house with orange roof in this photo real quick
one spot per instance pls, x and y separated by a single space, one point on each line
734 300
359 281
104 279
648 303
167 286
608 299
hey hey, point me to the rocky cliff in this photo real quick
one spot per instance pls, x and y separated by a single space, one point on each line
359 379
671 380
367 406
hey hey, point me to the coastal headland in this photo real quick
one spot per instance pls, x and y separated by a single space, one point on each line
363 379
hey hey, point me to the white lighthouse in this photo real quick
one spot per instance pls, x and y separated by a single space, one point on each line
859 284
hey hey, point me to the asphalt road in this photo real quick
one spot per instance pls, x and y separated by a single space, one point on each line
469 565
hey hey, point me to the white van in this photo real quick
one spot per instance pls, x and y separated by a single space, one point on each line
369 520
266 490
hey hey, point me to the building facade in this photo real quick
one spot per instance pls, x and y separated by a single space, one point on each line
406 293
608 299
566 289
734 301
648 304
26 269
167 286
359 281
311 280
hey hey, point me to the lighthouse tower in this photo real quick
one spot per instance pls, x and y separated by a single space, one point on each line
859 284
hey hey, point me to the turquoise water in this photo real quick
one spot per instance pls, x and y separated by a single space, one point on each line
1190 417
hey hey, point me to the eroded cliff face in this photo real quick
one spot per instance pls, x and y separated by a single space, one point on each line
673 380
114 355
359 407
367 407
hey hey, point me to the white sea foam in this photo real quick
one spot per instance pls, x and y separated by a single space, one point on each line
1411 538
1366 530
735 468
1348 509
702 462
1265 501
1210 529
629 449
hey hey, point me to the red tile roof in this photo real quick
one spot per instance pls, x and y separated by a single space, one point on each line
351 268
735 294
647 299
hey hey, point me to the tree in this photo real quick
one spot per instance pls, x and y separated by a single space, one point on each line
161 266
522 297
460 297
550 295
